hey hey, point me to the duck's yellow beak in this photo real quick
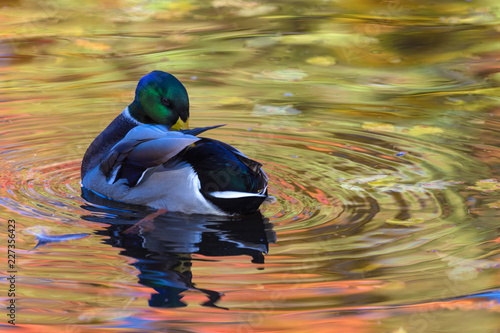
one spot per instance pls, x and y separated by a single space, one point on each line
180 125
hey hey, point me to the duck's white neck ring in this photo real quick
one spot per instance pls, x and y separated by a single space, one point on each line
128 116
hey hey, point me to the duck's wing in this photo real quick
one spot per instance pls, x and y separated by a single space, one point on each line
249 163
228 179
143 147
199 130
253 165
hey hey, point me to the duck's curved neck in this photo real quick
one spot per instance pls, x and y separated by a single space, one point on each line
137 114
131 113
115 131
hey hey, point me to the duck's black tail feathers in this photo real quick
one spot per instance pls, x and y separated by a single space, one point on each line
228 179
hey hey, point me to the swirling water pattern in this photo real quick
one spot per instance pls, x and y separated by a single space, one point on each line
383 165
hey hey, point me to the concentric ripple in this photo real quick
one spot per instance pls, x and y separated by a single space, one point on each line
345 176
327 182
358 202
39 178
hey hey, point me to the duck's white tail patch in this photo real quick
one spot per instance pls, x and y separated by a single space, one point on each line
234 194
269 200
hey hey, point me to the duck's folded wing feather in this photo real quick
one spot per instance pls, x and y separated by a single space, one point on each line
199 130
249 163
155 152
143 147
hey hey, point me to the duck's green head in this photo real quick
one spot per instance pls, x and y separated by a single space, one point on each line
161 99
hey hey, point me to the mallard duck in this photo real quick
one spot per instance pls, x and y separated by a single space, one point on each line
147 156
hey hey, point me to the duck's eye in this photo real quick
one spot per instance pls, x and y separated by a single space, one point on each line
165 101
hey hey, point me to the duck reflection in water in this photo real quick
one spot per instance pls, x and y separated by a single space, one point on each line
163 245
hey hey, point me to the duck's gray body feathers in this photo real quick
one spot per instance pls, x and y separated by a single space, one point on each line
186 198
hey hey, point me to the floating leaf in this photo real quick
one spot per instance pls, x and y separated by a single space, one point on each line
438 184
406 222
92 45
44 238
495 204
258 42
486 185
257 11
378 127
234 101
281 75
273 110
367 268
322 61
424 130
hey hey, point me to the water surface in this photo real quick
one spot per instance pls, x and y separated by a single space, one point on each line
377 123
